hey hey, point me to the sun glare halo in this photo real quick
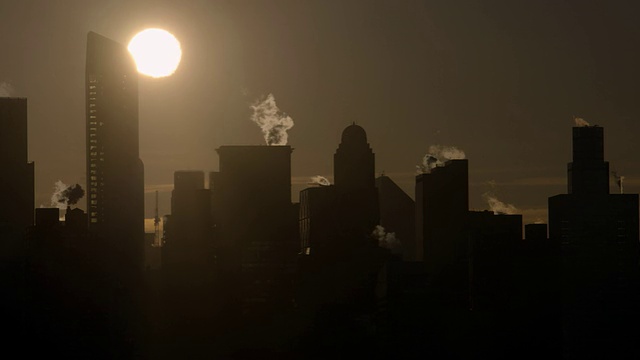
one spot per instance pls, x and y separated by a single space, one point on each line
156 52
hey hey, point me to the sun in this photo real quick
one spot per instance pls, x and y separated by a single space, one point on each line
157 52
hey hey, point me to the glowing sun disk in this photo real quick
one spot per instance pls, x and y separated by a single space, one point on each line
157 52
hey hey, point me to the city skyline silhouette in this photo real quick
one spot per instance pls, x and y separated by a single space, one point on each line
452 181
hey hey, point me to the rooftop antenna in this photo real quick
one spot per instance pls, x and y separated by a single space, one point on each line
619 179
157 240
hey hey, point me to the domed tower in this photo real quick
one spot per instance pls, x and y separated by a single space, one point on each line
354 177
354 162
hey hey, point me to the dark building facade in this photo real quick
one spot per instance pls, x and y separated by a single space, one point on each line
115 173
442 228
354 173
256 233
317 218
589 215
397 215
188 242
535 232
494 240
17 178
16 210
341 260
598 237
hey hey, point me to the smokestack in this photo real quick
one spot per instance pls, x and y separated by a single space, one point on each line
437 156
273 122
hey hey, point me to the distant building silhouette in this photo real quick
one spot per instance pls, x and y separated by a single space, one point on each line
354 174
397 215
17 178
115 174
341 260
256 229
189 235
588 215
442 228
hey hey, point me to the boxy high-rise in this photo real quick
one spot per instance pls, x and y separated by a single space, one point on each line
255 223
16 177
442 228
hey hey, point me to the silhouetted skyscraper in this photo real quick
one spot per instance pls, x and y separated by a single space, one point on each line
354 173
189 236
17 177
115 173
588 173
588 214
442 206
598 237
256 223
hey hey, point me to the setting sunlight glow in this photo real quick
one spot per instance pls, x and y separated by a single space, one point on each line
157 52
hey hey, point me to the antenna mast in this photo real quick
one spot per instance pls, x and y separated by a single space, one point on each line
157 241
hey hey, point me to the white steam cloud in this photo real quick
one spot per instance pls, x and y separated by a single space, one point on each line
57 197
273 122
320 180
6 90
64 195
580 122
497 206
437 156
386 240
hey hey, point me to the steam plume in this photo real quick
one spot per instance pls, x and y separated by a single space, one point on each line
386 240
273 122
64 196
6 90
497 206
437 156
619 179
320 180
580 122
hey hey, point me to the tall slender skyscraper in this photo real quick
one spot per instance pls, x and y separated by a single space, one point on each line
115 173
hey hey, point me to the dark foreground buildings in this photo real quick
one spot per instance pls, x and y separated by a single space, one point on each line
442 229
16 211
256 235
115 173
16 180
398 215
598 235
188 240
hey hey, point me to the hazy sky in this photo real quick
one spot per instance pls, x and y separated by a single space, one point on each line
501 80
